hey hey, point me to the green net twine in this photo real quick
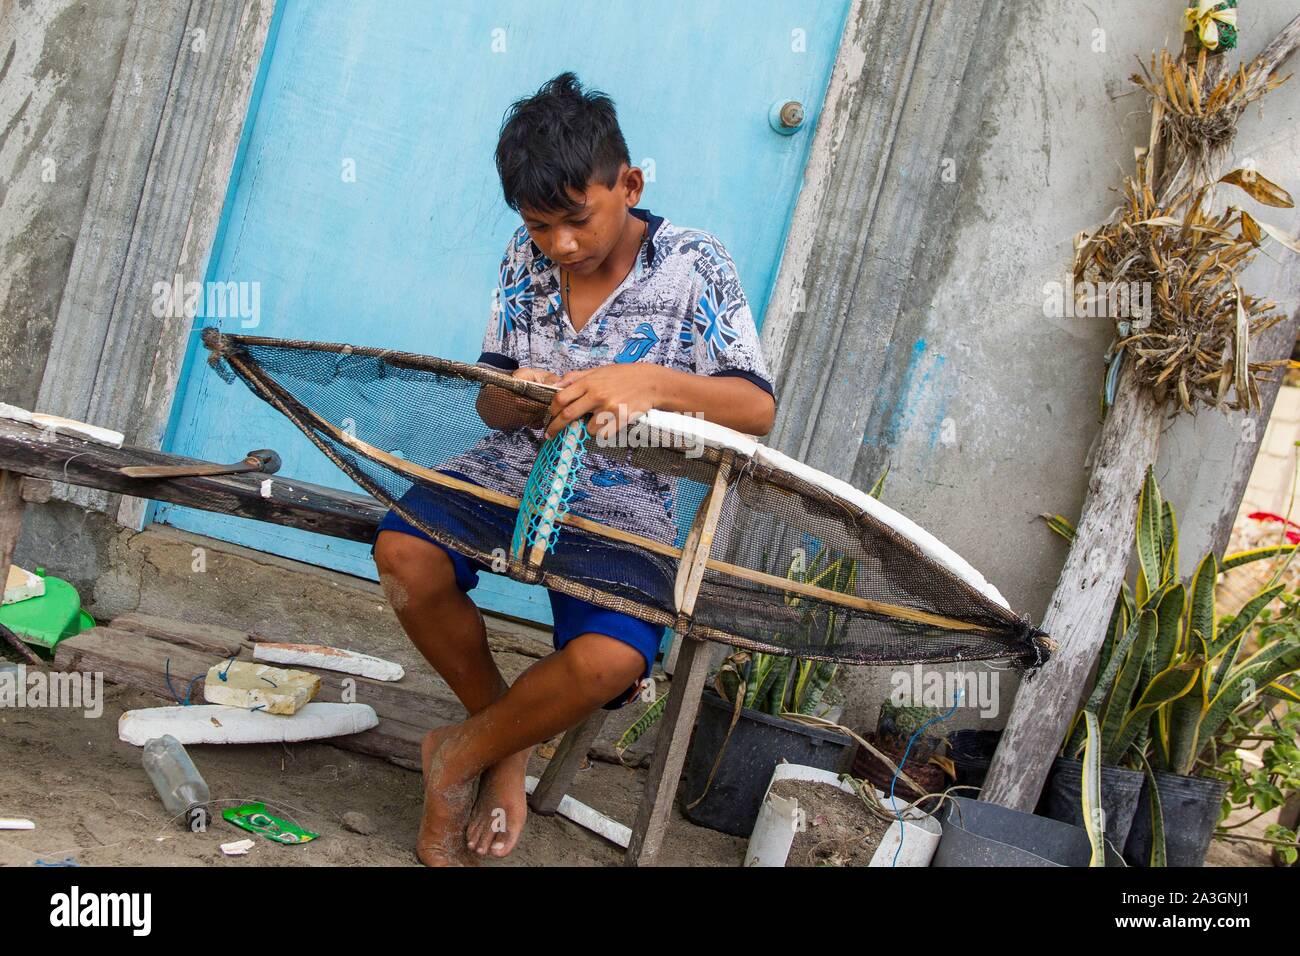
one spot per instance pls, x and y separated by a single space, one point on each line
550 485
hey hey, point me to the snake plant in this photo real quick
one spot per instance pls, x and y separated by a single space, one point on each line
1171 672
777 684
1094 818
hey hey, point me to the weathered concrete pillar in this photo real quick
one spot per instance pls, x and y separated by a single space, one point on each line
155 198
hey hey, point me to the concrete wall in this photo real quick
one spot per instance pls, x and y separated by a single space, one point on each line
58 61
983 407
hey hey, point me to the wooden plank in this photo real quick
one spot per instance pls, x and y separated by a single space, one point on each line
37 491
281 500
674 649
139 660
393 740
126 657
11 527
11 518
154 200
694 658
558 776
134 659
390 699
223 641
670 753
699 542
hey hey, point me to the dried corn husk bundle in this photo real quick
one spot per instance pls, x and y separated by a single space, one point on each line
1191 342
1195 117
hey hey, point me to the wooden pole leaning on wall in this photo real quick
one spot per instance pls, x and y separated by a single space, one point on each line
688 683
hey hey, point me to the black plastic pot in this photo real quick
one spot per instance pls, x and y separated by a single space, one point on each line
986 834
1120 793
971 752
758 743
1190 806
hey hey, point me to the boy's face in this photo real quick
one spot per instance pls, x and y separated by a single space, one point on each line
582 240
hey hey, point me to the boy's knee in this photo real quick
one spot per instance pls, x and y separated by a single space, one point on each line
412 569
603 665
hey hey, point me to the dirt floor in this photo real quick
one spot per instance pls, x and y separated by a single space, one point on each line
91 801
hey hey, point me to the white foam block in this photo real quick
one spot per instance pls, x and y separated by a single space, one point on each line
237 848
215 724
328 658
22 585
63 426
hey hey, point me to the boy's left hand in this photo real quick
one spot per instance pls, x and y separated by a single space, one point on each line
612 394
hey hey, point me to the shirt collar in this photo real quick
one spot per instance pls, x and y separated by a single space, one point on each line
653 223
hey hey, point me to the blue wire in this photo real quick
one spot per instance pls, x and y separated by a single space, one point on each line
898 814
167 672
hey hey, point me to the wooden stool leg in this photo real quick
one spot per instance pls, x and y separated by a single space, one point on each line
11 518
691 668
693 663
559 773
11 526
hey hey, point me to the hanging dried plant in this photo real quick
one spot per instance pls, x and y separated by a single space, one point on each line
1188 329
1195 117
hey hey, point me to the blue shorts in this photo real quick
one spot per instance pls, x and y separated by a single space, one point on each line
571 615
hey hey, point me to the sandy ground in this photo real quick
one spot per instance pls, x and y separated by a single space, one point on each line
91 801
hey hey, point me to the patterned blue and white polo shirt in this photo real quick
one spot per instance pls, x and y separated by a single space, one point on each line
681 306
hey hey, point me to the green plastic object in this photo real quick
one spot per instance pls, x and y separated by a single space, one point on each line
50 618
254 818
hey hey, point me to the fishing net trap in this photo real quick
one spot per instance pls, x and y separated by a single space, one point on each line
679 522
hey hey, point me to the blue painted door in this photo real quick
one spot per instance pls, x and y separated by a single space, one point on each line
365 208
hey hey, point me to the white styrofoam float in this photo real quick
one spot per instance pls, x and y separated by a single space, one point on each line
588 817
21 585
63 426
778 819
216 724
328 658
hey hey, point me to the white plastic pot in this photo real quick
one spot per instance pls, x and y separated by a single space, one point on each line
778 819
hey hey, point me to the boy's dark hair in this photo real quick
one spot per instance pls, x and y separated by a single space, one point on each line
557 139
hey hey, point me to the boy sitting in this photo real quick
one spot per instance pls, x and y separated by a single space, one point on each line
623 312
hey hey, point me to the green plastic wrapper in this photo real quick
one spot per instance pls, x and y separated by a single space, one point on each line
254 818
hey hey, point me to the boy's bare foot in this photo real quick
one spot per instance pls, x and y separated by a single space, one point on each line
498 816
446 807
